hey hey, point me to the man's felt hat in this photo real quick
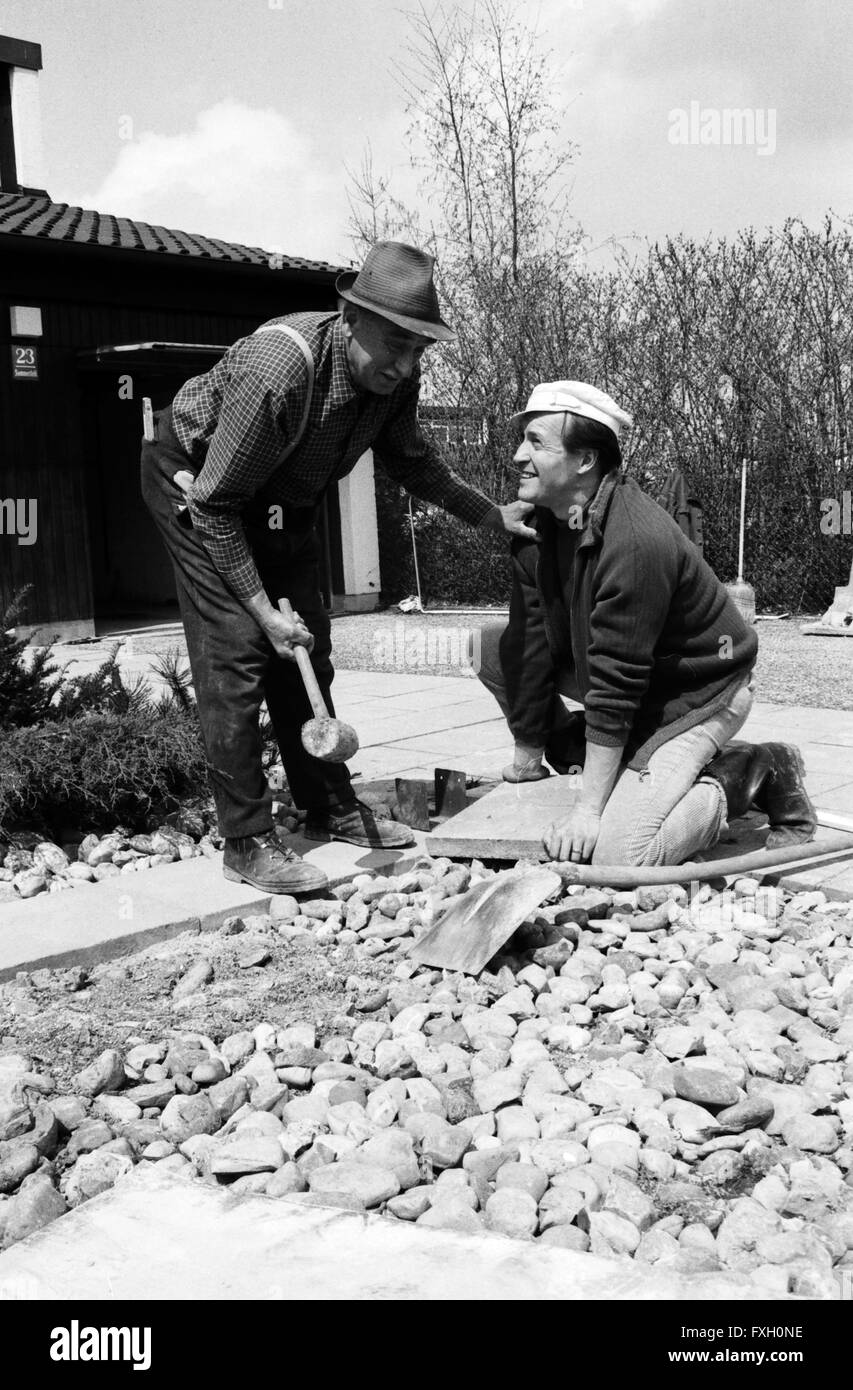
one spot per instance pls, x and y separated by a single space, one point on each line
396 283
578 398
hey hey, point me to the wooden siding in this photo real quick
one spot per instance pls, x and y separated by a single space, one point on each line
47 434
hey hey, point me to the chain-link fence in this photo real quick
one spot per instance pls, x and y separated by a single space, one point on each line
798 538
798 535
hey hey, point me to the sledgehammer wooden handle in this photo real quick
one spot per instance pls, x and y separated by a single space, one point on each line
306 670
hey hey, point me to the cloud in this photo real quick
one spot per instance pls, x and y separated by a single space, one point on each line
240 174
762 55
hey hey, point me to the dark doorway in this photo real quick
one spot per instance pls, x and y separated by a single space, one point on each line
132 580
132 577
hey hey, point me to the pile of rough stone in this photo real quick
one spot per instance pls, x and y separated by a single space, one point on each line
642 1075
45 867
31 864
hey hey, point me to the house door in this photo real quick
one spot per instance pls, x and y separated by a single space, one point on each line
132 577
131 572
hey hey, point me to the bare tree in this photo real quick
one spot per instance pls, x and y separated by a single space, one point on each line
484 132
768 315
375 214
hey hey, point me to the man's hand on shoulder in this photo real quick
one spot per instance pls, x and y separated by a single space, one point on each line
511 517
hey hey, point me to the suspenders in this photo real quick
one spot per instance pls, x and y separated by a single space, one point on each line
181 508
300 341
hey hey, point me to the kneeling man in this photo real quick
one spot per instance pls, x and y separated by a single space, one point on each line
614 608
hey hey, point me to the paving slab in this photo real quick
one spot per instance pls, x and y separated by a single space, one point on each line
472 697
834 878
508 823
158 1236
126 912
394 726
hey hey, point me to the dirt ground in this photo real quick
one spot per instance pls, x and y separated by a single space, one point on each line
64 1028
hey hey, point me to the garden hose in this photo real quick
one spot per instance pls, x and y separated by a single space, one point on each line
753 862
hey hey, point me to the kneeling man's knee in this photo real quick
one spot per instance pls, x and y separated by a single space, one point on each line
628 852
489 670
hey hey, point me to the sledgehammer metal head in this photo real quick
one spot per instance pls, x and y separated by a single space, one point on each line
323 737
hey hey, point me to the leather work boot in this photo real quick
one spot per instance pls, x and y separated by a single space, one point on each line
267 864
741 772
784 799
358 825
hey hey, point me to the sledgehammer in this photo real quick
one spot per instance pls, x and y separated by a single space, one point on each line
323 737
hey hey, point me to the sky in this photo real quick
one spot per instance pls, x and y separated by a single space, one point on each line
241 118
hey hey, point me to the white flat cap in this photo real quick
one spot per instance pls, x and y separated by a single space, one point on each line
579 398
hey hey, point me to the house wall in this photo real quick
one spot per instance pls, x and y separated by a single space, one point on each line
360 537
91 296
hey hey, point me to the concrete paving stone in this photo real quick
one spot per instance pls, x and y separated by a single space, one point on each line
383 683
799 716
823 759
486 764
820 784
341 861
840 731
192 1242
483 766
507 822
460 691
360 699
475 709
483 736
375 763
393 728
838 799
835 879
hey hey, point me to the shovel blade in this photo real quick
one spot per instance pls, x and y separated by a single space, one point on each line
481 921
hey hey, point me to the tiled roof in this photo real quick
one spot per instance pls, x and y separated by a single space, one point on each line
29 215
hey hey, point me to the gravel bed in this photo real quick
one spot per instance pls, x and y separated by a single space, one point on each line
647 1076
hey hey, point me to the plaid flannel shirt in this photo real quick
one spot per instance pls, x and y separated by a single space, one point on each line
235 421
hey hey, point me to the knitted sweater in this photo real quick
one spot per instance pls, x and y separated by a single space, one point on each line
648 632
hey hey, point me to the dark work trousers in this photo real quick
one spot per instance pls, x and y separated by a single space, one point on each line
234 666
566 745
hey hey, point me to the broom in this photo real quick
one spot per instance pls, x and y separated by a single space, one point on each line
742 594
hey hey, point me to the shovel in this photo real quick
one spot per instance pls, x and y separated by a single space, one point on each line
482 920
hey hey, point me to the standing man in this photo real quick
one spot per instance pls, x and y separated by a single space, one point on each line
255 444
617 610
